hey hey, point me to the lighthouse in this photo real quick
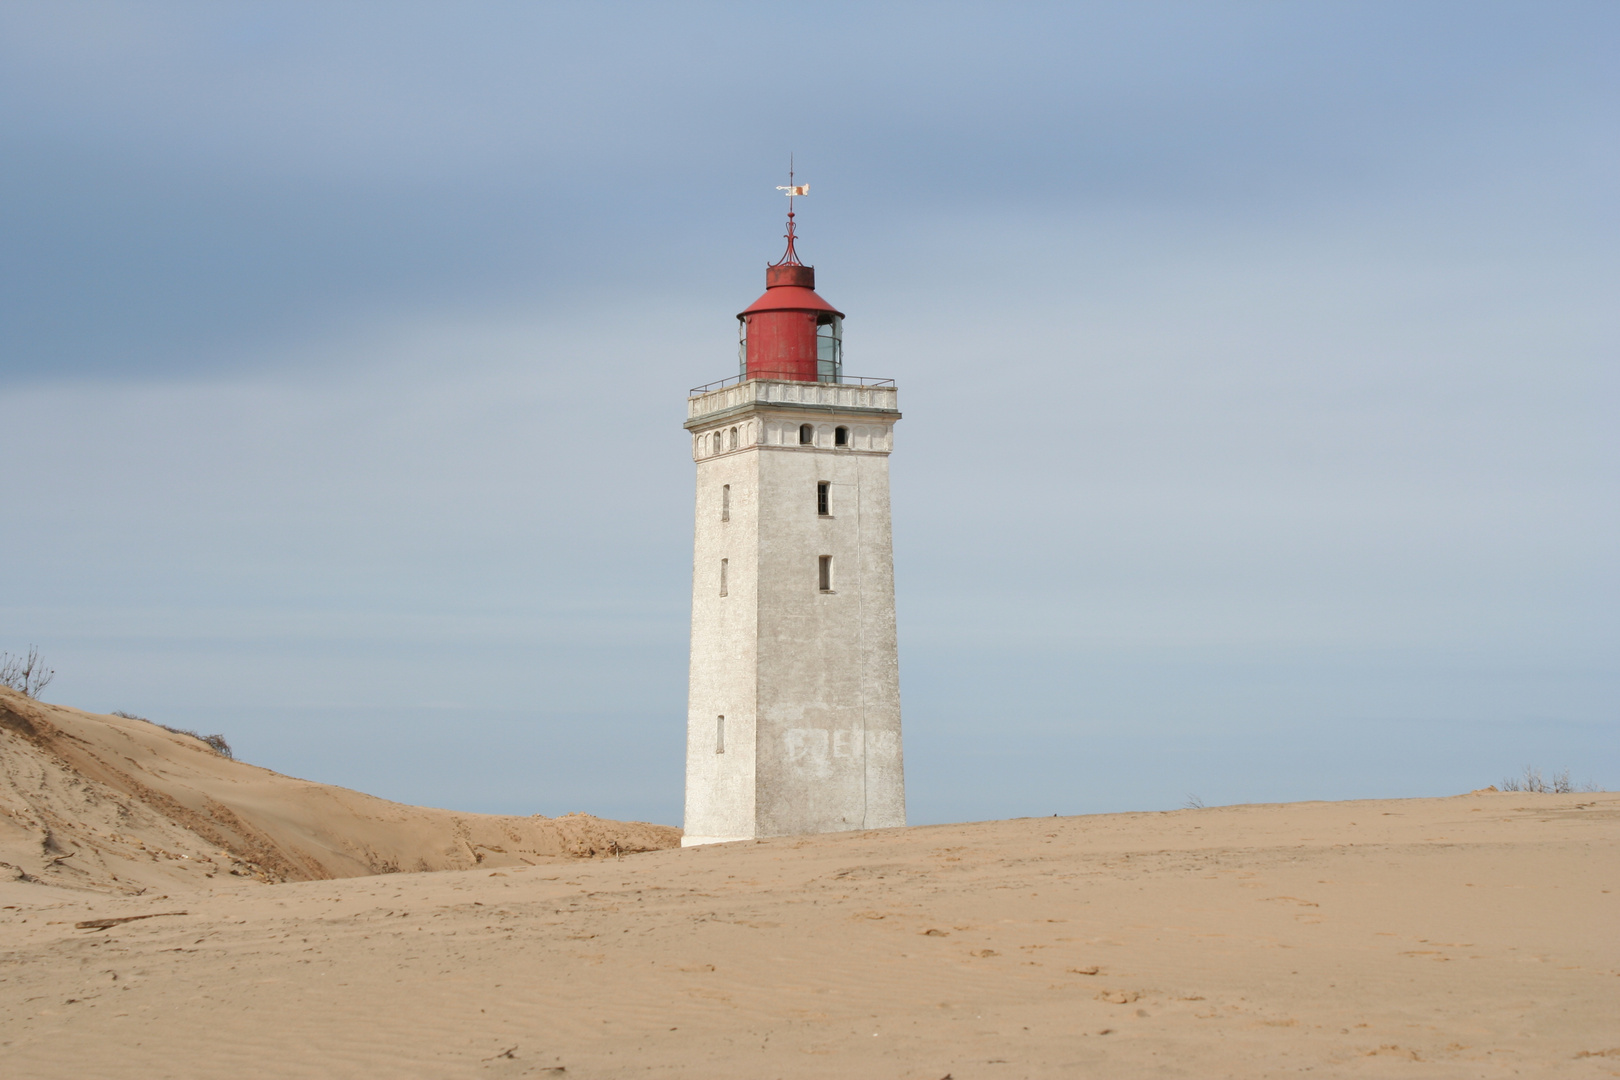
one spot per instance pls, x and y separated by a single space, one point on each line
793 707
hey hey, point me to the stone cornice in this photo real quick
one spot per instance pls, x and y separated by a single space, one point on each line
722 417
860 403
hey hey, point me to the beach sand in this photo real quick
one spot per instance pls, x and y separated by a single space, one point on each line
1472 936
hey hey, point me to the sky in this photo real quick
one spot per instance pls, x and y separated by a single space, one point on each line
1257 361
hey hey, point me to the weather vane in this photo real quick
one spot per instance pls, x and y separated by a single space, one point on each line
792 189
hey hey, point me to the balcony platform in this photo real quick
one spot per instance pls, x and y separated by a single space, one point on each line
872 397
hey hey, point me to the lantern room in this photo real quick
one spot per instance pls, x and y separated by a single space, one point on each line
790 332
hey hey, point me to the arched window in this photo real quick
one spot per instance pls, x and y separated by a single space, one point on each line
734 438
841 436
807 435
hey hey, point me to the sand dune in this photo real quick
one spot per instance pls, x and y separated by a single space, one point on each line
1474 936
109 803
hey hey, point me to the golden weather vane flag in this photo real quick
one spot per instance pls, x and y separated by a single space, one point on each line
796 189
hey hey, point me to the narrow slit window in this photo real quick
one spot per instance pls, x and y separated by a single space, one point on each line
822 502
826 573
807 435
841 436
725 566
719 734
725 502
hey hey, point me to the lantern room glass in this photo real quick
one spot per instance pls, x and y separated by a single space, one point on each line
829 348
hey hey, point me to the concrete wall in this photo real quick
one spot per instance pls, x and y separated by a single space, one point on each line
724 663
808 680
703 407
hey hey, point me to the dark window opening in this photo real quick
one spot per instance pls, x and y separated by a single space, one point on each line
841 436
719 734
725 502
725 565
807 435
826 573
734 438
821 499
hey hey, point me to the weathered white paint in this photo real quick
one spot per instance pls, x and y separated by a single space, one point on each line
784 392
807 680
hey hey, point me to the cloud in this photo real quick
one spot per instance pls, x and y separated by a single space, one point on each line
1256 363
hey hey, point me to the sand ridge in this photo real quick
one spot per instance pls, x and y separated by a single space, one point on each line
1472 936
115 804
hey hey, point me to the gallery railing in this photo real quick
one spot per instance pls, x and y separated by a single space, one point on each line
842 380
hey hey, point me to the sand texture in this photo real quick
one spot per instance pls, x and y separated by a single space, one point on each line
1474 936
120 805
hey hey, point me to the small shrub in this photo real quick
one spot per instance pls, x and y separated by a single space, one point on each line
1533 781
27 675
216 743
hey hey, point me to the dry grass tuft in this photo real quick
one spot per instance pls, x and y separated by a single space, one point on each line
216 743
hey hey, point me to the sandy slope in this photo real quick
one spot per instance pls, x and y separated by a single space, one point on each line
122 805
1477 936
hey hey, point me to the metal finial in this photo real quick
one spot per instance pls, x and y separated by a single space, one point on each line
791 257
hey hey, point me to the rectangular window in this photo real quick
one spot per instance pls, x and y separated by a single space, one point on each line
725 564
826 573
725 502
821 498
719 734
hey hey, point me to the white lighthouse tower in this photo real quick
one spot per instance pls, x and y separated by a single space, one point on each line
793 713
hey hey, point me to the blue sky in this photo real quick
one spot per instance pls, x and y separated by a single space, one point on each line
1258 363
